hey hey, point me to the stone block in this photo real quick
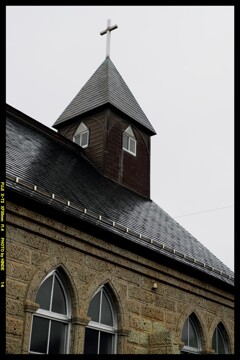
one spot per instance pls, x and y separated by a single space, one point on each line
37 258
141 295
127 275
133 337
170 319
170 305
14 326
139 323
13 345
96 264
21 236
16 289
144 339
18 252
160 339
19 271
14 307
133 306
152 312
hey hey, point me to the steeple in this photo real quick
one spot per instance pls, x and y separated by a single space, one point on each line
105 86
106 121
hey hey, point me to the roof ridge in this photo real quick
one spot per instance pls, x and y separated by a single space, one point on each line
108 79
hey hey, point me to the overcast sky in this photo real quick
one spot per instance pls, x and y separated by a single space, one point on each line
179 64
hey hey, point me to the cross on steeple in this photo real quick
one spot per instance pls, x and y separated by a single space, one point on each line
108 32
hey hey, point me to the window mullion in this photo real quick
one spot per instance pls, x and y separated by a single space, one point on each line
99 339
128 143
51 298
49 332
100 309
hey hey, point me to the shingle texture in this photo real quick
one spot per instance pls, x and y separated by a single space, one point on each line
106 86
41 159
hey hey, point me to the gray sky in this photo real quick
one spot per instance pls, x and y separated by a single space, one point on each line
179 64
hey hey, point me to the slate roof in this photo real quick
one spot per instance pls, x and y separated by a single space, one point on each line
42 158
105 86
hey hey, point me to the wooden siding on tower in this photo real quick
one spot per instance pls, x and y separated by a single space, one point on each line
96 124
136 174
123 167
105 151
95 151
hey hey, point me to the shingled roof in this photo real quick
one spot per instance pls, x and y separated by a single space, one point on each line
105 86
40 162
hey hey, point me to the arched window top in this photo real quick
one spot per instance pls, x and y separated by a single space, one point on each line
101 308
51 295
82 127
219 340
50 324
191 335
100 336
129 141
81 135
130 132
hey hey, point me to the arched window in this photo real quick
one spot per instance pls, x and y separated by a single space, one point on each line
81 135
191 336
129 141
219 341
50 323
100 334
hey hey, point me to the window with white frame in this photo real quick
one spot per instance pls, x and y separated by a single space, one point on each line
129 141
191 336
51 322
100 334
81 135
219 341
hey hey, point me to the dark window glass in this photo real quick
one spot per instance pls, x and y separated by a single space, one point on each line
221 347
77 139
94 306
44 294
84 141
185 333
57 337
106 343
39 335
91 341
218 343
214 341
132 146
106 313
58 302
125 141
192 336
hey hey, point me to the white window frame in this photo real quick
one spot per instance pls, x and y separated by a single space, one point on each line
102 327
130 137
220 330
190 349
53 316
81 130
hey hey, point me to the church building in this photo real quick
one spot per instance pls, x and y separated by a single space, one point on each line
94 265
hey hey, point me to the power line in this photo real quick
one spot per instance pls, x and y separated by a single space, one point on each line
205 211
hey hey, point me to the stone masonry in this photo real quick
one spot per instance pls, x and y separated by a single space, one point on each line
149 322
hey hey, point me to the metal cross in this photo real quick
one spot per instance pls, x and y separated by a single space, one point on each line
108 32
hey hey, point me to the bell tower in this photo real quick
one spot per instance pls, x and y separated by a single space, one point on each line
105 120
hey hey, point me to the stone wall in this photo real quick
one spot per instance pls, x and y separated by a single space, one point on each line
149 321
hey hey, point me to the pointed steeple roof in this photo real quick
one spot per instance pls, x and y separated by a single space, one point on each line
105 86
